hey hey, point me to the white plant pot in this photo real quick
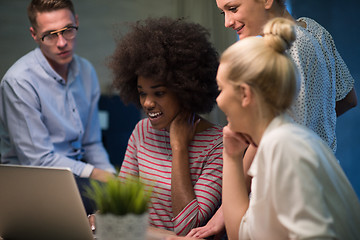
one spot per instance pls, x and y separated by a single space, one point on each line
114 227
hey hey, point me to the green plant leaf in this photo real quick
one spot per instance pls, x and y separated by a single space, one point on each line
119 197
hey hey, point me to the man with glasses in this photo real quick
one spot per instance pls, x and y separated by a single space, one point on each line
49 98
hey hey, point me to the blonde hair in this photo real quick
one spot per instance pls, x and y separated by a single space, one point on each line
263 64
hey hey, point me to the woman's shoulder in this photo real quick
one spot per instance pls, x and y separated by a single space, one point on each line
303 37
317 30
289 140
306 48
284 131
206 127
212 135
311 25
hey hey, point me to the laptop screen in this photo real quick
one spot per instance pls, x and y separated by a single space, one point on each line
41 203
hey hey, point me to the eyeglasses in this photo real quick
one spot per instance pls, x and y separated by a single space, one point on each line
67 32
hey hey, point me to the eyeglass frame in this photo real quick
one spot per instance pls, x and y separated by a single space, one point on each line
60 31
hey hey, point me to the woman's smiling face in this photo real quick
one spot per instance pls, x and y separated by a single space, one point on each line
158 102
246 17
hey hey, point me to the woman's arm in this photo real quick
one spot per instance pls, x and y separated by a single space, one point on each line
216 225
182 131
235 193
196 201
347 103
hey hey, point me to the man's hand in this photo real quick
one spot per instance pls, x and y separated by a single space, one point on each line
101 175
91 218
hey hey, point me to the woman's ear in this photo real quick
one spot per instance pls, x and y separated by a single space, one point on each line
246 94
268 4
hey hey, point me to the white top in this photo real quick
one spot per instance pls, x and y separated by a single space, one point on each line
325 79
299 190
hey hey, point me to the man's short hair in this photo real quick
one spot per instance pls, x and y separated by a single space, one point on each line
37 6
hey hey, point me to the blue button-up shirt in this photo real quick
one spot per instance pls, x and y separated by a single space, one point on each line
46 121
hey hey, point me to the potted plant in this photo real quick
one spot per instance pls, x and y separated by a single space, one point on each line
121 208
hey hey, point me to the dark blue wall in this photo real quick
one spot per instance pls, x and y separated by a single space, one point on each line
340 18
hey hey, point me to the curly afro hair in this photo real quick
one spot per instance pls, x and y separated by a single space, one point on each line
177 52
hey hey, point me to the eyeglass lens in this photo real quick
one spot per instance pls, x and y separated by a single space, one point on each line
68 33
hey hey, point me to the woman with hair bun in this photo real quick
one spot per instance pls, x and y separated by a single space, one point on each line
298 189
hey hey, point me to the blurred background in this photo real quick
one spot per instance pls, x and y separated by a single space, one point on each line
101 21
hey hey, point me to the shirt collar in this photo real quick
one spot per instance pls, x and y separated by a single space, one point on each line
73 68
274 124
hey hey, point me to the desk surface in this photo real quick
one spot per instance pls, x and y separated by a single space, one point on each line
153 233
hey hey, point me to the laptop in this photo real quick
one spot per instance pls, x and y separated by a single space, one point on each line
41 203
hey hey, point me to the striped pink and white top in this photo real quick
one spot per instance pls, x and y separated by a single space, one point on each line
148 156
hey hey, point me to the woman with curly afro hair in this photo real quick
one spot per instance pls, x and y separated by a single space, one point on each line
168 68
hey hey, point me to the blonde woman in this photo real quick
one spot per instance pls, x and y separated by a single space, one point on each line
298 190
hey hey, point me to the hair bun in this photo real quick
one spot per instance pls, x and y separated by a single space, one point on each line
279 34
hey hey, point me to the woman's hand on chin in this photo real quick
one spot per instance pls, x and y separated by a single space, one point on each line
235 143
